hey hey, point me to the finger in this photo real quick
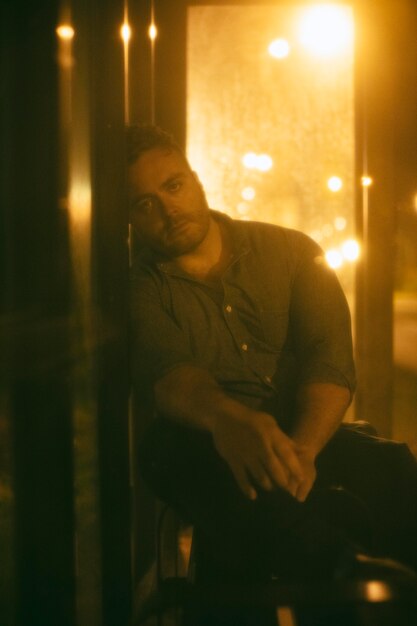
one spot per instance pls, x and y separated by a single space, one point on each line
306 486
303 490
284 449
293 486
276 470
243 482
259 475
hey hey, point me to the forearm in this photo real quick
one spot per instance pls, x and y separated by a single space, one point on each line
258 452
190 395
320 410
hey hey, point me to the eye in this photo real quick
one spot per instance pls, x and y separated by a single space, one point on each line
174 185
144 206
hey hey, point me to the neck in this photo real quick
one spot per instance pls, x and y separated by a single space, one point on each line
210 259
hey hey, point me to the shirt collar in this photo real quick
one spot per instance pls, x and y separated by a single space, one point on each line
239 240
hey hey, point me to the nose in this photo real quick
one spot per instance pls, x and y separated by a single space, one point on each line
167 207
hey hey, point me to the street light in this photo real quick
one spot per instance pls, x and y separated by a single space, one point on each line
326 29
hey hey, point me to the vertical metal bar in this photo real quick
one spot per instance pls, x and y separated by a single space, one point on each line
141 106
110 237
377 93
76 137
157 95
35 308
126 33
170 67
65 270
98 247
140 88
152 33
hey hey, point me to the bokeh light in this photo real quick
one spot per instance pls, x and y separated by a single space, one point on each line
351 250
348 251
250 160
340 223
126 32
286 125
65 31
279 48
261 162
335 183
334 258
326 29
79 201
366 181
378 591
248 193
264 163
152 32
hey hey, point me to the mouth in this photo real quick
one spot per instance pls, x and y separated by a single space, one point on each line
178 227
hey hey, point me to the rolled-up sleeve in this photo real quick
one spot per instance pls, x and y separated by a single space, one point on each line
320 322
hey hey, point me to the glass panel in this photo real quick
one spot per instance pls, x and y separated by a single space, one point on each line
270 118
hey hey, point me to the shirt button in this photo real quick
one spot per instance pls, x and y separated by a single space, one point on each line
229 308
244 346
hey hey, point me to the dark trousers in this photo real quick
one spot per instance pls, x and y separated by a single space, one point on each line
365 496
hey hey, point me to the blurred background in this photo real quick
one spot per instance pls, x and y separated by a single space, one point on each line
297 113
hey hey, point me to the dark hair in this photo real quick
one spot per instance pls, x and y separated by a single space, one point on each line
144 137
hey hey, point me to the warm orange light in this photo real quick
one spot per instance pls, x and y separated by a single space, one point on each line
279 48
261 162
334 258
366 181
65 31
316 235
350 250
126 32
243 208
250 160
378 591
152 32
327 230
326 29
248 193
79 201
335 183
264 162
340 223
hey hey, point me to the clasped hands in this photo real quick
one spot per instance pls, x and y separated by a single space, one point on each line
261 456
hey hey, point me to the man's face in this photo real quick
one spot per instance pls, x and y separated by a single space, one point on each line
168 208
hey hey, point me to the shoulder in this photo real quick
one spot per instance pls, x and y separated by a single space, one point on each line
145 278
141 270
277 240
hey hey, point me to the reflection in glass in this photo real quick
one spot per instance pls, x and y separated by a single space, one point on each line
279 125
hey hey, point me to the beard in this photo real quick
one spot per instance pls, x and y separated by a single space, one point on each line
182 234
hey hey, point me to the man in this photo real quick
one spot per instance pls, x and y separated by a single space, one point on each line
242 344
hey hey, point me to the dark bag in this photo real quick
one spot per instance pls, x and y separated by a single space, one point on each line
383 474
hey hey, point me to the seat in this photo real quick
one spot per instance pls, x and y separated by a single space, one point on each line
186 599
186 595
